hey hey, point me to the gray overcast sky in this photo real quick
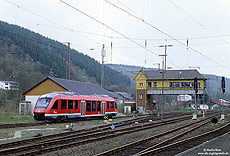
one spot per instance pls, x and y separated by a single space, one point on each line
197 20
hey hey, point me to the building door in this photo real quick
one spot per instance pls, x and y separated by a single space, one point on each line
82 107
103 107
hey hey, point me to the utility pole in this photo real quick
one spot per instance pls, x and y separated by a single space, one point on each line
162 98
165 46
68 62
164 68
103 53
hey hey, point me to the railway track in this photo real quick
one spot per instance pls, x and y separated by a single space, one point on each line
17 125
48 143
182 145
154 145
155 141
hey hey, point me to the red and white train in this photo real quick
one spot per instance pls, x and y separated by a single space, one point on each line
65 105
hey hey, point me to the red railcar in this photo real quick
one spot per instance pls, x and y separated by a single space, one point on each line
59 106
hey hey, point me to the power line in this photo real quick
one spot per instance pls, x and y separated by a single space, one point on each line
117 37
111 29
195 20
50 21
166 34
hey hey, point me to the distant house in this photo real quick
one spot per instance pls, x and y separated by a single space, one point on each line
8 85
51 84
122 97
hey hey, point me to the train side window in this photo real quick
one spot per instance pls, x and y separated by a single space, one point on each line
98 106
115 105
55 106
88 106
112 105
63 104
107 104
93 106
76 104
70 104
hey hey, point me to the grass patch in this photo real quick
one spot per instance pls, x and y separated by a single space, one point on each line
15 118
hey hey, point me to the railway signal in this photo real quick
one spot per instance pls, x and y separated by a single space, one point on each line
195 86
223 84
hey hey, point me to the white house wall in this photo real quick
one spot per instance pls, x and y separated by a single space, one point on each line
33 99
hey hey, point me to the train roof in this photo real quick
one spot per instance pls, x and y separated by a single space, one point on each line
51 95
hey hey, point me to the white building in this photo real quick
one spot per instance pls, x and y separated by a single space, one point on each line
184 98
8 85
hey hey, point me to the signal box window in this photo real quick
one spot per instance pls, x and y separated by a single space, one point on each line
70 104
141 84
55 106
140 96
149 84
98 106
107 104
63 104
93 106
112 104
76 104
88 106
185 84
198 84
174 84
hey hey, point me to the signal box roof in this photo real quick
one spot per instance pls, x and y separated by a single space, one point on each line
173 74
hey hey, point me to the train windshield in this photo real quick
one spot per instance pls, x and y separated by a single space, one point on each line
43 103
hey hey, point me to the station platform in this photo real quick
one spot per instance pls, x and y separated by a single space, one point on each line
219 146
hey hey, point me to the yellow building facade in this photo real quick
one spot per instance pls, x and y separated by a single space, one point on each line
175 82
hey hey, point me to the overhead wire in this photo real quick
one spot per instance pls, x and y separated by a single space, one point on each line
166 34
195 20
117 37
98 21
50 21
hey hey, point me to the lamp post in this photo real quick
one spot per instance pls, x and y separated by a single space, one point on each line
68 62
103 54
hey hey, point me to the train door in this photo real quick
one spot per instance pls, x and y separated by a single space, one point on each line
103 107
82 107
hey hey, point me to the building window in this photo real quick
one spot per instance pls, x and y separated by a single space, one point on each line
140 96
185 84
149 84
174 84
141 84
155 84
6 84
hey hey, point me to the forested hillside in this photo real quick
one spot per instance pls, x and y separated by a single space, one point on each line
27 57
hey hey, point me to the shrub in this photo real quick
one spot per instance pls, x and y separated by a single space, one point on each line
214 120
